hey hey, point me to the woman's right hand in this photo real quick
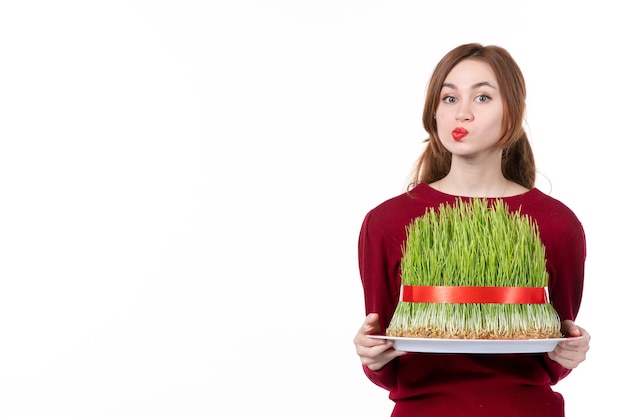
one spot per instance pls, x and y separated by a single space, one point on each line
374 353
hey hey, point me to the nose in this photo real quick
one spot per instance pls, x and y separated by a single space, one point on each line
464 114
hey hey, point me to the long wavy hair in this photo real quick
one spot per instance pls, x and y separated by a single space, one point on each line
518 162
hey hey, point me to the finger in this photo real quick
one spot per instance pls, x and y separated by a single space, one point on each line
570 329
370 325
568 357
578 343
378 361
568 363
365 341
380 349
369 352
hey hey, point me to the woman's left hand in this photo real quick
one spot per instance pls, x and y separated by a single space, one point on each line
570 353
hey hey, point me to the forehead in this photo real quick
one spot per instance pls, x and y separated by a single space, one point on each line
470 72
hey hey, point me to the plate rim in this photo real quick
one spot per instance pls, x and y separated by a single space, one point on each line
456 340
477 346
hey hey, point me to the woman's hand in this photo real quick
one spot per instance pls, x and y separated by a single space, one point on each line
570 353
374 353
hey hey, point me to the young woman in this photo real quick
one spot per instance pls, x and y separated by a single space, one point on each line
477 147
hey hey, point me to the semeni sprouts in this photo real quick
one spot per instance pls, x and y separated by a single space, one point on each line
474 244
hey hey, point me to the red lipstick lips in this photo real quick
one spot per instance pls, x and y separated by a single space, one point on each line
459 133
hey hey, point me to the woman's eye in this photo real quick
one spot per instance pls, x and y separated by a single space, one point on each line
448 99
483 98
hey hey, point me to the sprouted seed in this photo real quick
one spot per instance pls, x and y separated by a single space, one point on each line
473 243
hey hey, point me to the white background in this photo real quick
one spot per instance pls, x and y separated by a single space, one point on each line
182 184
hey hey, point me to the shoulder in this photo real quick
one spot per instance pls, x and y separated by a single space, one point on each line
549 205
550 212
395 213
411 203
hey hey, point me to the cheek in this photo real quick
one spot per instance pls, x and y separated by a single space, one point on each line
497 125
445 114
444 122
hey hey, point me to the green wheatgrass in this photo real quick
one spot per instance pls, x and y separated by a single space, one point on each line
474 244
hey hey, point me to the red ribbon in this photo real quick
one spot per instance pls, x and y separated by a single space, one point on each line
476 295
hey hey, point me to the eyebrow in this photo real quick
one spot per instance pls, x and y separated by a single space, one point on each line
477 85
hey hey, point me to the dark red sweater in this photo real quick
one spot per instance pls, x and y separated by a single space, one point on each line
441 385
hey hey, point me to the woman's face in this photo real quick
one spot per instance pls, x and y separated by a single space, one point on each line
469 113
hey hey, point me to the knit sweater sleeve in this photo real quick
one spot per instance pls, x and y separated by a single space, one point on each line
565 242
566 267
377 276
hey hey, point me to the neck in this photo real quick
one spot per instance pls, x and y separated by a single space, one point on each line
474 181
475 177
470 189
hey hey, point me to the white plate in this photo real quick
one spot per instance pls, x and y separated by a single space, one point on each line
426 345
